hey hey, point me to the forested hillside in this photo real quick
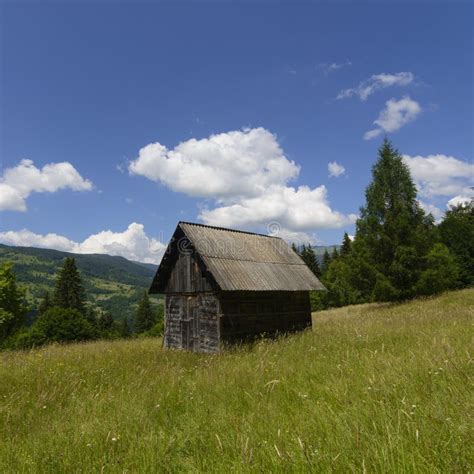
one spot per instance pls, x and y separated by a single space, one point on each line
114 284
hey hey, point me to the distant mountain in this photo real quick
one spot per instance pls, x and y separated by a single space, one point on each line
320 249
114 284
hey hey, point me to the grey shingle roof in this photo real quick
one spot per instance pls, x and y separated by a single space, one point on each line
244 261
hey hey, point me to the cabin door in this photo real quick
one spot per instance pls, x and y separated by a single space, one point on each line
189 324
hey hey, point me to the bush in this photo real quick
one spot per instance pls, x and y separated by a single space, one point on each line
441 273
337 280
55 325
383 289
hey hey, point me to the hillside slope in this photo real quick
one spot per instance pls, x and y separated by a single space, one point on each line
373 388
112 283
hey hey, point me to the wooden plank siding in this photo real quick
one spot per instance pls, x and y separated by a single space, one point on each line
247 314
189 275
192 322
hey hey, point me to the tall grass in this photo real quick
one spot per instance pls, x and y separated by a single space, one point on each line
372 388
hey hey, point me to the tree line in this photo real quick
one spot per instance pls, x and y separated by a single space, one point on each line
398 251
65 315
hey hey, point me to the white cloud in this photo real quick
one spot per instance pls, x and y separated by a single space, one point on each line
395 114
237 163
26 238
296 209
19 182
327 68
335 169
440 175
293 237
133 243
377 82
457 200
246 173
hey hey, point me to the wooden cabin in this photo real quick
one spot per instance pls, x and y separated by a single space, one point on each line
223 286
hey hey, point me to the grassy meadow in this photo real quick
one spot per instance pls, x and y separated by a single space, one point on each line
373 388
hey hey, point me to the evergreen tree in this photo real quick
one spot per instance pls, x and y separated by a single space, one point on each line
340 288
125 328
309 257
12 303
69 291
457 233
45 303
335 254
326 261
346 246
144 319
105 321
92 315
393 233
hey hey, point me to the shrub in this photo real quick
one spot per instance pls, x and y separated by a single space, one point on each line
441 273
62 325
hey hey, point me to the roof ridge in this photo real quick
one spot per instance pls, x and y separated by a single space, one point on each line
250 260
229 230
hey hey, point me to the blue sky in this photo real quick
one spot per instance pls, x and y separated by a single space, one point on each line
250 91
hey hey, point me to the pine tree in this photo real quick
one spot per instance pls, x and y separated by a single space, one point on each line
326 261
340 290
346 246
457 233
125 328
335 254
45 303
69 290
105 321
12 303
144 319
393 233
309 257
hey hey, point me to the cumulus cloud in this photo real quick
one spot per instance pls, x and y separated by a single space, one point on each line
395 114
246 173
237 163
296 209
440 175
133 243
375 83
457 200
335 169
19 182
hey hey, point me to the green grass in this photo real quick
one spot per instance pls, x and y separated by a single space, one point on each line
371 389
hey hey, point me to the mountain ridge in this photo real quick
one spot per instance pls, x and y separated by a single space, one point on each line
112 283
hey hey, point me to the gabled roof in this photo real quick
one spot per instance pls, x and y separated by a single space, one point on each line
240 261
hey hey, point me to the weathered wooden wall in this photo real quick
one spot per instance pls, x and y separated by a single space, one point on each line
247 314
188 276
192 322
